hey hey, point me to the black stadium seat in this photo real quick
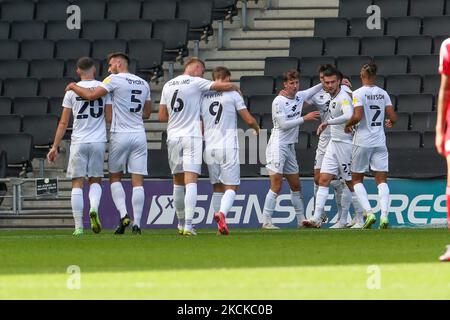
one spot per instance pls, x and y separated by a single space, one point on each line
277 66
342 46
158 164
148 53
423 121
5 106
103 29
175 34
447 8
123 10
437 42
159 9
415 103
224 9
388 65
42 128
52 68
403 140
17 11
305 47
134 29
254 85
101 48
358 28
51 10
436 26
37 49
424 64
378 46
18 147
403 26
309 66
431 84
330 27
393 8
4 30
413 45
9 49
261 104
426 8
73 49
30 106
266 122
351 65
91 9
53 87
27 87
27 30
199 15
402 123
353 8
398 84
57 30
10 124
13 69
303 141
428 140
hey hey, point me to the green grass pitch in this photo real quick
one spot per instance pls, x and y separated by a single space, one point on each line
248 264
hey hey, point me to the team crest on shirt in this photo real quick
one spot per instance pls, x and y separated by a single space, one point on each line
333 105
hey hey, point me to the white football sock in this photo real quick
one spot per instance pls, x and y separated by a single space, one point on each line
95 193
227 201
269 206
299 205
322 196
118 195
216 199
190 201
178 200
383 192
137 200
363 199
346 203
77 207
338 187
357 206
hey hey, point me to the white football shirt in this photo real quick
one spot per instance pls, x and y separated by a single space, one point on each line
128 94
88 116
335 110
182 96
219 114
370 130
289 109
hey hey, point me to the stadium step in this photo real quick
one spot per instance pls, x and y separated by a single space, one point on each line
284 23
236 64
305 3
251 43
37 221
243 53
296 12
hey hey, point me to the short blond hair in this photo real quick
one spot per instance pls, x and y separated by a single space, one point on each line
193 60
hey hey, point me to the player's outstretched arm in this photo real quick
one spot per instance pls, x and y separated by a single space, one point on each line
60 132
309 93
163 115
108 113
443 100
147 110
224 86
86 93
249 120
355 119
391 117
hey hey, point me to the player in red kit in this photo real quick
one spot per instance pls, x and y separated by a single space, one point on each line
443 123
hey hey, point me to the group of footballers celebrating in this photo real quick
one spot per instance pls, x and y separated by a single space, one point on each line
350 126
